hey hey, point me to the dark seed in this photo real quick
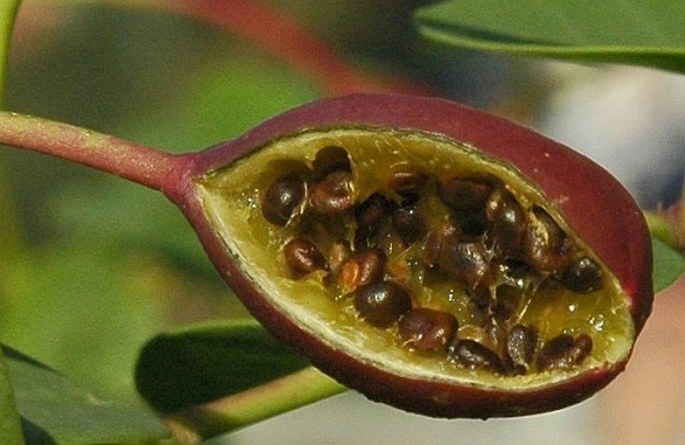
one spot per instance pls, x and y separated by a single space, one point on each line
381 304
409 223
302 257
521 344
427 329
333 195
547 247
370 216
466 263
508 225
472 355
361 269
465 193
408 183
282 198
564 352
442 238
583 276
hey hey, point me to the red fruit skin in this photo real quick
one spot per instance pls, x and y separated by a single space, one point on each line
595 205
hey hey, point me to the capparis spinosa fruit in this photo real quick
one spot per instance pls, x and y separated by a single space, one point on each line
434 257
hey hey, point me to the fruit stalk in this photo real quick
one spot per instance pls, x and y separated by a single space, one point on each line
137 163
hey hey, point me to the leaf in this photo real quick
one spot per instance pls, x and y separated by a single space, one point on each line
55 411
188 367
630 31
10 426
669 265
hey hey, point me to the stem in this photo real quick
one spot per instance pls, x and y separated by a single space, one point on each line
274 30
144 165
8 14
253 405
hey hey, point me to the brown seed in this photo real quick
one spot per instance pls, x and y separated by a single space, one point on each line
444 237
427 329
466 263
465 193
369 217
583 276
282 198
361 269
302 257
409 223
333 195
547 247
521 344
507 225
408 183
473 355
564 352
382 304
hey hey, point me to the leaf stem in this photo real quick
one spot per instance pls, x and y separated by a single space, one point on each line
138 163
8 14
248 407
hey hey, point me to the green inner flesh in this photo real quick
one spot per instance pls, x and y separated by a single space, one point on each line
232 198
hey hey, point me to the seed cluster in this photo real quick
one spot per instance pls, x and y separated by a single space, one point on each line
469 231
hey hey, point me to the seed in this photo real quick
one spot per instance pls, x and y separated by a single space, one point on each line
333 195
408 183
521 344
564 352
370 216
466 263
547 247
473 355
381 304
302 257
281 198
444 237
361 269
427 329
465 193
409 223
508 225
583 276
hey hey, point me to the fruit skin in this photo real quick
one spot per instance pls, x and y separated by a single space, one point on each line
594 204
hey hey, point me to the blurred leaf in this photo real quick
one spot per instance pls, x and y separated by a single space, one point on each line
187 367
85 309
55 411
10 427
221 101
630 31
669 265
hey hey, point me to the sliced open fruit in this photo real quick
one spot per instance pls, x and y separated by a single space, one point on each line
432 256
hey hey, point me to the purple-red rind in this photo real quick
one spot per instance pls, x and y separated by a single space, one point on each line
594 204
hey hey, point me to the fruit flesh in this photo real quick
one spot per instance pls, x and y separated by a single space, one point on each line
232 199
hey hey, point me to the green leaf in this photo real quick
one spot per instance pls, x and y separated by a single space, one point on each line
669 265
194 365
629 31
56 411
10 426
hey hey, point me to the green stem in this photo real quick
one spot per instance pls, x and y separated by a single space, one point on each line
144 165
253 405
10 420
8 14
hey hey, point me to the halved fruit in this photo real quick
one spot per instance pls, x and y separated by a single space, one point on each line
434 257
